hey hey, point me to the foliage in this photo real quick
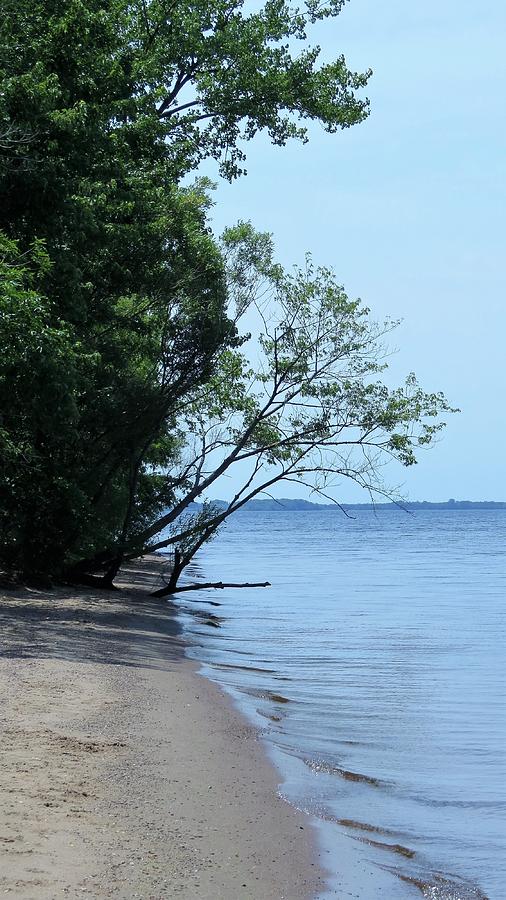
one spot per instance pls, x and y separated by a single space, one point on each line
90 82
311 408
125 388
38 381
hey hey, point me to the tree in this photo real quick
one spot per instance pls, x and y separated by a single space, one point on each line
105 106
311 409
87 412
134 357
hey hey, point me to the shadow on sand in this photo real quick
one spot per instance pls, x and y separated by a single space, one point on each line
124 627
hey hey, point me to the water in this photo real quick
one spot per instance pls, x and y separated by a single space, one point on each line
376 664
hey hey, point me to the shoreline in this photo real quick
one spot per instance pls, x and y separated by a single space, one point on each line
125 772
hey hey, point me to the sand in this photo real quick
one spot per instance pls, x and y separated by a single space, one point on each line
124 773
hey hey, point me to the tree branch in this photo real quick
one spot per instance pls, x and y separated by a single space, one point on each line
218 585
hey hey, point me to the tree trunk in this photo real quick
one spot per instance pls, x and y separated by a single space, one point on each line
177 568
112 571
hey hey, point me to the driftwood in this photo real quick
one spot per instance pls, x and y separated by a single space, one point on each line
219 585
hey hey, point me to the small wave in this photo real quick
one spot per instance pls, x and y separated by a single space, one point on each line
364 826
376 829
319 766
392 848
440 887
266 695
272 718
433 886
243 668
461 804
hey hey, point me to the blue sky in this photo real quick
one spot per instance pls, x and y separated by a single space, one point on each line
409 209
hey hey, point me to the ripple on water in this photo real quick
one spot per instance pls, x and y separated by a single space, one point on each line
389 633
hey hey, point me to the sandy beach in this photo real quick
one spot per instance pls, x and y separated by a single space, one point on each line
124 772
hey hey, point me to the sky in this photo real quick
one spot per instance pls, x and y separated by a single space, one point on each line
409 210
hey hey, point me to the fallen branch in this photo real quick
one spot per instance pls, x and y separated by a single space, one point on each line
219 585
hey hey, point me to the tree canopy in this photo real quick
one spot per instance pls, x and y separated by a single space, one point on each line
126 387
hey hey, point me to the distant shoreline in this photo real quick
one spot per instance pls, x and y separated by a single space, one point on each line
295 505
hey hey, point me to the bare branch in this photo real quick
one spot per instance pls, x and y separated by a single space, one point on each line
217 585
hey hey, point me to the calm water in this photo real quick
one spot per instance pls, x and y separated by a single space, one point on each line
376 664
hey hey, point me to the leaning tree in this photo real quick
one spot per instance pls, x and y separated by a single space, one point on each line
305 403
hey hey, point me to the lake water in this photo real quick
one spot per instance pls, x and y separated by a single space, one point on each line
376 666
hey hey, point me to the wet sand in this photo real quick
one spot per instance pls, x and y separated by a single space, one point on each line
125 773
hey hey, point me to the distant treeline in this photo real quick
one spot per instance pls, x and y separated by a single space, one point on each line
285 504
